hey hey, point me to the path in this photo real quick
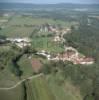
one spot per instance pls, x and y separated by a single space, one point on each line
9 88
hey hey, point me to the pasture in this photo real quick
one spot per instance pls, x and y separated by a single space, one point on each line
46 43
13 94
37 89
25 66
63 89
19 26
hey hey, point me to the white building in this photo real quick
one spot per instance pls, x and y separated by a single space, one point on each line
20 42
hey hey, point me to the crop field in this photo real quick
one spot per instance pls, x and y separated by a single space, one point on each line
45 43
3 20
4 48
16 31
7 79
63 90
37 89
19 26
13 94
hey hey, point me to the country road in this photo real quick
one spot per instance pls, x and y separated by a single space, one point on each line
9 88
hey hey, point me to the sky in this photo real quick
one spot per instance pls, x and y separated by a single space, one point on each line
53 1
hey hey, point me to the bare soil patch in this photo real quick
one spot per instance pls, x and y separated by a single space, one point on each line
36 65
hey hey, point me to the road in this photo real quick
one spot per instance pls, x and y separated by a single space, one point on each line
9 88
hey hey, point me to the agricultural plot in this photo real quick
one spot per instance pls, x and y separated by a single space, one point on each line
19 26
13 94
16 31
45 43
7 79
3 20
63 90
37 89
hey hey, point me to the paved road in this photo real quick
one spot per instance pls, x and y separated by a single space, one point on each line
9 88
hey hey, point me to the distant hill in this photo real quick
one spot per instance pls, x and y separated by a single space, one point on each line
60 5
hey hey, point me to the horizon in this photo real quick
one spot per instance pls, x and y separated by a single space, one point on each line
51 1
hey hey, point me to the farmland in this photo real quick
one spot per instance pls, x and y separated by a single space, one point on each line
63 90
19 26
37 89
46 43
14 94
49 53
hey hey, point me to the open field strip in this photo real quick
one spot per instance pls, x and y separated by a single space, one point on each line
21 82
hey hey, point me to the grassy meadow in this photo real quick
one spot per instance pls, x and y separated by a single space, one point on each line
19 26
25 66
37 89
13 94
63 89
46 43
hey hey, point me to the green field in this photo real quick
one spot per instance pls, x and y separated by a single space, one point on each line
25 66
63 89
13 94
7 79
45 43
3 20
16 25
37 89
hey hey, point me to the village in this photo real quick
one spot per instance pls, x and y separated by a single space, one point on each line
70 53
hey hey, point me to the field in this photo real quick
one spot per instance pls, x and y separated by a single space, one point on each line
19 26
13 94
63 90
46 43
4 48
25 74
3 20
7 79
25 66
37 89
